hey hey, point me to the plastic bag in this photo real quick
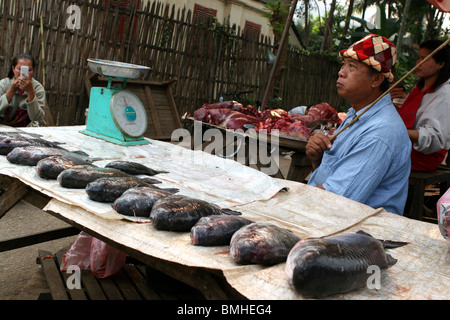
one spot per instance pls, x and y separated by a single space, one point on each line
88 252
443 214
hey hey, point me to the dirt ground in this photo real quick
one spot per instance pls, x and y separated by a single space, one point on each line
18 266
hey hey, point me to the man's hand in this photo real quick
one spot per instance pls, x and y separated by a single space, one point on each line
315 148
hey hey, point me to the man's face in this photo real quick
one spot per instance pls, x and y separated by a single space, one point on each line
354 83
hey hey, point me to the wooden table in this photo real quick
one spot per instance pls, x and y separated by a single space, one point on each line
299 168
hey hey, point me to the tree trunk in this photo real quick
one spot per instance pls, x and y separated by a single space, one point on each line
327 44
347 20
401 32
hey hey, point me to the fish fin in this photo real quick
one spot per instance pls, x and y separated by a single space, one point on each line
81 153
391 260
364 233
231 212
150 180
171 190
387 244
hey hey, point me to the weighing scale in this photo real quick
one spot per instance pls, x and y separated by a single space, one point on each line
116 114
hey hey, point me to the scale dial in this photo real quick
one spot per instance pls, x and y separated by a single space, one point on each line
128 113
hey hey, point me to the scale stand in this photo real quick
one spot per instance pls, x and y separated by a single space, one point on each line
115 114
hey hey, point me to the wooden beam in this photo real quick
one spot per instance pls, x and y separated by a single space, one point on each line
11 191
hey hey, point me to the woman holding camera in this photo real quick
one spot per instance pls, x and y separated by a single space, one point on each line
22 98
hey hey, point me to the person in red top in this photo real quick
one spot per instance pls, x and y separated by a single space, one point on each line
426 110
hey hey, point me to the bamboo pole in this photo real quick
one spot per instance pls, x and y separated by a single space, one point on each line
390 88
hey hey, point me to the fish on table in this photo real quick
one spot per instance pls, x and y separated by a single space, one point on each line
31 155
216 230
262 243
51 167
108 189
139 201
133 168
181 213
10 143
319 267
78 177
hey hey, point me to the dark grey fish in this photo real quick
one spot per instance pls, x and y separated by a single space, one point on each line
181 213
18 134
262 243
139 201
31 155
111 188
216 230
51 167
80 176
133 168
319 267
8 144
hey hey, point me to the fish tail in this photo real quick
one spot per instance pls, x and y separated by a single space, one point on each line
390 244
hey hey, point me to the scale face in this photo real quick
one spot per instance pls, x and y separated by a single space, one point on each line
128 113
116 114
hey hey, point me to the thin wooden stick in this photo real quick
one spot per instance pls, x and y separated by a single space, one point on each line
390 88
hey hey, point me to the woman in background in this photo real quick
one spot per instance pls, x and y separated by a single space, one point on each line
22 98
426 110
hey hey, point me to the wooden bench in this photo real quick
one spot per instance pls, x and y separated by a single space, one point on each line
419 180
134 281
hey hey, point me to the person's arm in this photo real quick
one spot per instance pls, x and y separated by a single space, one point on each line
35 100
7 92
316 146
432 122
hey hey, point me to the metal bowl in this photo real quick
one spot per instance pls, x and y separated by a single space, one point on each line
116 69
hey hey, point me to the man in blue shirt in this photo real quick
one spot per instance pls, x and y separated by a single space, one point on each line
369 162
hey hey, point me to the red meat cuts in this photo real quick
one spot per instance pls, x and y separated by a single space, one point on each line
226 118
233 105
322 111
233 115
286 127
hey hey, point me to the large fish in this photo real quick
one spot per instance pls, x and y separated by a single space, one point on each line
10 143
110 188
51 167
216 230
181 213
139 201
31 155
319 267
133 168
78 177
262 243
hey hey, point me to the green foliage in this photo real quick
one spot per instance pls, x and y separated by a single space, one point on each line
274 10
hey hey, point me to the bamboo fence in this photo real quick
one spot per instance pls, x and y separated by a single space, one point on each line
206 61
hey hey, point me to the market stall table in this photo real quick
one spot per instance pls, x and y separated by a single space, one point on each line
422 270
